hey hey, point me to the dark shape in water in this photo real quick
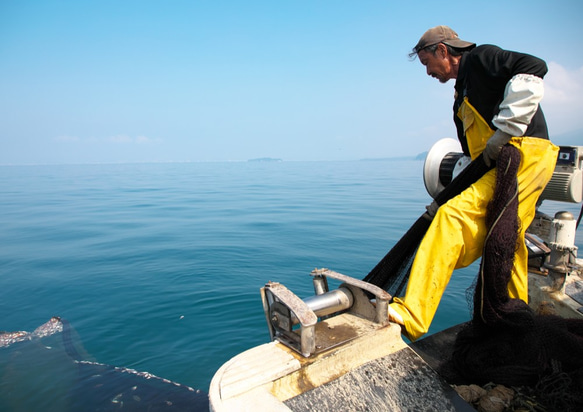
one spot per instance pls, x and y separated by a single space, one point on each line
49 370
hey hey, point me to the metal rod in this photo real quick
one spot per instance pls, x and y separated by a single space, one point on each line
330 302
320 284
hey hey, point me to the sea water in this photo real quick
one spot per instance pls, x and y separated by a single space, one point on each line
158 267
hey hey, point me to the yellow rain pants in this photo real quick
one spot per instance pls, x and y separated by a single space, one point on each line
456 235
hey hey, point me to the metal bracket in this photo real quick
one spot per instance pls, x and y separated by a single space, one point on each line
279 303
292 321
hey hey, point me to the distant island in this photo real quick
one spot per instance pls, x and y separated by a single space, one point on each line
265 159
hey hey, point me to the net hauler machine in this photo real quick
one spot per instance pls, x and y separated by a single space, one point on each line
337 350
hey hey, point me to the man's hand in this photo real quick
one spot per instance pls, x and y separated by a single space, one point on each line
431 210
494 145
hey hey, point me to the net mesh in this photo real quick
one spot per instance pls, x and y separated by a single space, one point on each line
506 341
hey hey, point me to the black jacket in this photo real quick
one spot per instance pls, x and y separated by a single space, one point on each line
483 74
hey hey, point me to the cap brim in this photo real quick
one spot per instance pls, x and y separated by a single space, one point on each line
458 43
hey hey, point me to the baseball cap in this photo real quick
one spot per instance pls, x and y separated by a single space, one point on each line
441 34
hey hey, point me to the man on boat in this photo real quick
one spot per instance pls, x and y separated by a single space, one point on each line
497 96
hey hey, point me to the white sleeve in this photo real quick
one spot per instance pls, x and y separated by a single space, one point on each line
521 99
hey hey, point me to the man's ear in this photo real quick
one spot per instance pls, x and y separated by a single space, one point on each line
441 50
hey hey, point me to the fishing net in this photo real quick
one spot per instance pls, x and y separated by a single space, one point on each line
392 272
50 370
506 342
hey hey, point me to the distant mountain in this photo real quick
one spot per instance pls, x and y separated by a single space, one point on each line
265 159
377 159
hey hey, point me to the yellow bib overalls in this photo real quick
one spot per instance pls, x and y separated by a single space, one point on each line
455 237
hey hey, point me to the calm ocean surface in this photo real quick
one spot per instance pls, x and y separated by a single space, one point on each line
157 267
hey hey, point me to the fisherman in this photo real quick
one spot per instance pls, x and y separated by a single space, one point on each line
497 96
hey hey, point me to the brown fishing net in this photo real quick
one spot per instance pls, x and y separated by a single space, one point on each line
506 342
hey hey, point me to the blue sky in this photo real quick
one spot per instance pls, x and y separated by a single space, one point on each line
141 81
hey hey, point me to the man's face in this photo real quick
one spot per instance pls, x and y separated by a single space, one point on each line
438 65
